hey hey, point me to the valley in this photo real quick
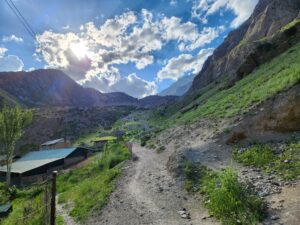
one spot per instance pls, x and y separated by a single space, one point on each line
223 148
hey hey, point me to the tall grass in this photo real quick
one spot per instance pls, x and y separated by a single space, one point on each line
87 189
28 206
256 155
229 200
225 197
285 164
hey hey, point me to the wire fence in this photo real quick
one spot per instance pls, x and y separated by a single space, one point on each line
39 206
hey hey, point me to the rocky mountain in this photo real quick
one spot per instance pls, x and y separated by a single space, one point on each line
155 100
267 20
51 87
180 87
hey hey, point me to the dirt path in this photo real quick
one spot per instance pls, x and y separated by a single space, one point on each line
68 220
148 194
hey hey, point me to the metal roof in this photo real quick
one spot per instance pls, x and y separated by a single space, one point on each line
4 208
37 159
52 142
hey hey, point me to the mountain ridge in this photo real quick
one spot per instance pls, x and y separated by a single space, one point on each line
50 87
268 17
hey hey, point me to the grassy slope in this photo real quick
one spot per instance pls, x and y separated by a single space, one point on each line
269 79
87 188
6 98
28 206
84 189
286 164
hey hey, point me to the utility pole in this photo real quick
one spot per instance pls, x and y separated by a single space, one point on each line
53 195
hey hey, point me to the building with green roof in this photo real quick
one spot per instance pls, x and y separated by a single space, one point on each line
38 164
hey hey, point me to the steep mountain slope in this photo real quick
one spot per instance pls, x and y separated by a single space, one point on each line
180 87
157 101
50 87
267 19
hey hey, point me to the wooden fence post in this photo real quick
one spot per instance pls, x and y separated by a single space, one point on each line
53 195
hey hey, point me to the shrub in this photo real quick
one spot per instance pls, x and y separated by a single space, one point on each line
161 149
257 155
229 201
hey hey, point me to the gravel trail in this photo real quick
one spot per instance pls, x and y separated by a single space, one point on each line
147 194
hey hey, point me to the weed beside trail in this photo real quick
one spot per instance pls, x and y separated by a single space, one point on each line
257 155
226 198
286 163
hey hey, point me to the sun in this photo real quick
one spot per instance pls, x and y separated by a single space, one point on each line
79 49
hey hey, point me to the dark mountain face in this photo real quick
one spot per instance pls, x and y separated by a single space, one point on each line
51 88
54 88
267 19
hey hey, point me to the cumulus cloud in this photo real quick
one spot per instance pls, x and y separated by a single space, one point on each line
173 2
12 38
95 51
242 9
179 66
113 82
2 51
10 62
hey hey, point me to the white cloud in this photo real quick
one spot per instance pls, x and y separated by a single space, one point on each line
113 82
127 38
10 63
13 38
179 66
2 51
30 69
242 9
67 27
173 2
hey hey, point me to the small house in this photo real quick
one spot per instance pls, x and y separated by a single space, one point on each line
36 165
101 141
56 144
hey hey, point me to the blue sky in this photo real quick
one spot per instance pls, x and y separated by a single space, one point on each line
135 46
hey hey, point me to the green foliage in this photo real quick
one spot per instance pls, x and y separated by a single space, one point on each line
286 164
28 206
12 123
290 25
193 174
87 188
60 220
106 138
256 155
226 198
229 200
280 74
160 149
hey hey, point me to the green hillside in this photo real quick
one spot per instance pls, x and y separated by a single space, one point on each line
269 79
7 99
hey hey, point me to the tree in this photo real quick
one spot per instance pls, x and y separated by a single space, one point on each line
12 123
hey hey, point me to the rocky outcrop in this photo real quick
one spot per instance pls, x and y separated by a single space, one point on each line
267 19
269 120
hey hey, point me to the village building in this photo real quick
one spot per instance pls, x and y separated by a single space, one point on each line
56 144
100 142
36 165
